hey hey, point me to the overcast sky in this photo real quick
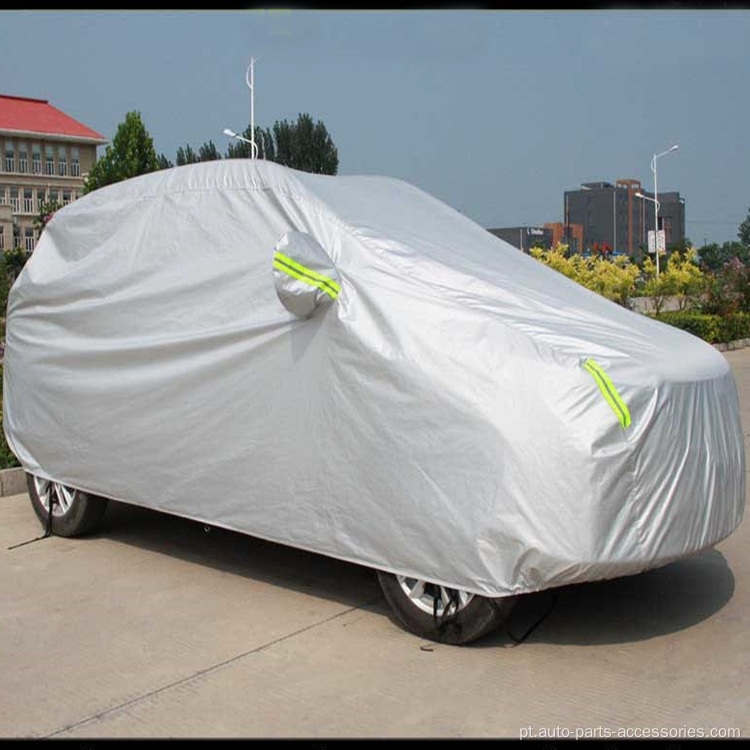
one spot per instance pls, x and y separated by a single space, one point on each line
493 112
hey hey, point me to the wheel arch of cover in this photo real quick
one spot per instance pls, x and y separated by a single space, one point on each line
306 279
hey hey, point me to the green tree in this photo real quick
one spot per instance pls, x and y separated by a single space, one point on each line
714 257
13 262
304 145
131 154
186 156
744 230
163 163
208 152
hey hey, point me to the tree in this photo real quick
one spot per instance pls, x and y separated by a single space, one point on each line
186 156
163 163
679 277
744 231
131 154
208 152
303 145
714 257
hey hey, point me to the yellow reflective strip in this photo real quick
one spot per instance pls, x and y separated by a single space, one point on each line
615 393
609 392
312 282
303 269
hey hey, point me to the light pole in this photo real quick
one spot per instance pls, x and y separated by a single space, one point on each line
656 196
249 80
656 234
232 134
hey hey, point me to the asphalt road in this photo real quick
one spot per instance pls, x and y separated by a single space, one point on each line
155 628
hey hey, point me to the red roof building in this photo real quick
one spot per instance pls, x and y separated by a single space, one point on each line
45 156
37 116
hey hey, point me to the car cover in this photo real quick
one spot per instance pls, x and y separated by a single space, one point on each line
349 366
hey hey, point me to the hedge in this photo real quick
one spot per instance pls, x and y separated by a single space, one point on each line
712 328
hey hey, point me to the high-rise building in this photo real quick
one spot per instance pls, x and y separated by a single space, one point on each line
45 157
613 214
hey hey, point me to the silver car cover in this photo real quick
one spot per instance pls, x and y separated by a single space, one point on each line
450 409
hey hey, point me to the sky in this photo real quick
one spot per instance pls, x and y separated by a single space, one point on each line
496 113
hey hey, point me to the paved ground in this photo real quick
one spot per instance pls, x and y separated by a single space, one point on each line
156 628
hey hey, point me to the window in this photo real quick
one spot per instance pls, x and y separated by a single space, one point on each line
75 163
23 158
14 198
3 200
49 156
36 159
66 197
16 236
54 196
62 161
10 157
29 239
39 198
2 238
28 201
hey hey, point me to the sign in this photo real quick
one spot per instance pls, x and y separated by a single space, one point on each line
659 240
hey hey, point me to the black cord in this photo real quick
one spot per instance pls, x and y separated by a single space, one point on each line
518 641
47 526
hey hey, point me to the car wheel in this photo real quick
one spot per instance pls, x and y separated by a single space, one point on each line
74 512
442 614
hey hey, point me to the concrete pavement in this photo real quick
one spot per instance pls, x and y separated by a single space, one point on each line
155 628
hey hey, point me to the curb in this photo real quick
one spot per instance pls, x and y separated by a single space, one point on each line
732 345
12 482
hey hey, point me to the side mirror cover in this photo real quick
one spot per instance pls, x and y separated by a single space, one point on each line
305 277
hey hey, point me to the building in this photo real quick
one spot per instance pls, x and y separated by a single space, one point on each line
45 157
568 234
524 238
613 214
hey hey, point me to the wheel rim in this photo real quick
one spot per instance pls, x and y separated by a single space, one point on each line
423 594
64 496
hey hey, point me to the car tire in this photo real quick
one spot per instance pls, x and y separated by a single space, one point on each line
469 616
74 512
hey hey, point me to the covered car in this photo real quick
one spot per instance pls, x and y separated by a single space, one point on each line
349 366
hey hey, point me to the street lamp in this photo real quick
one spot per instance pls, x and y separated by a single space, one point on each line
656 195
656 234
232 134
249 80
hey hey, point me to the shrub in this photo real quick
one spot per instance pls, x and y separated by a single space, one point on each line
729 289
715 329
733 327
613 279
7 459
707 327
